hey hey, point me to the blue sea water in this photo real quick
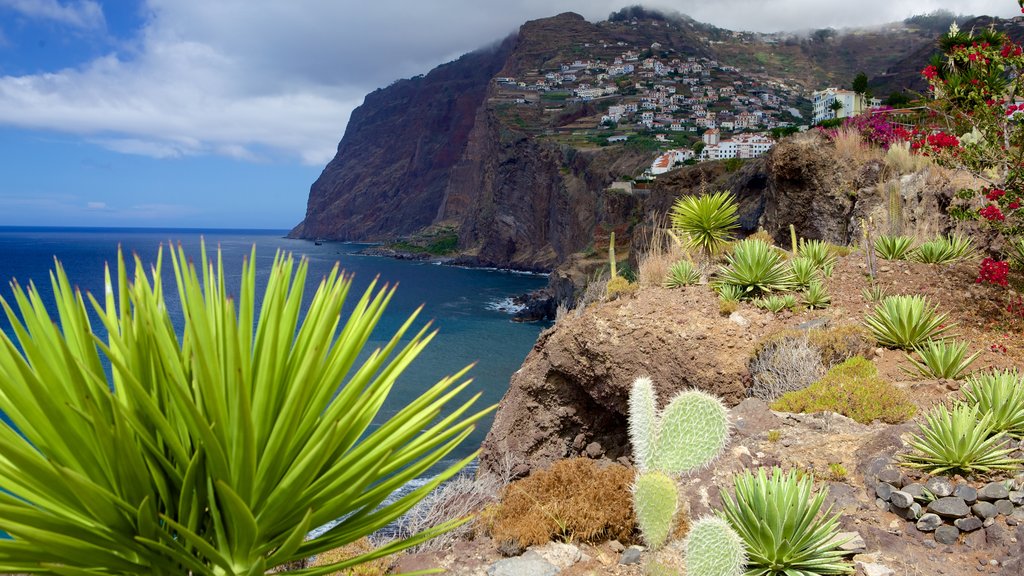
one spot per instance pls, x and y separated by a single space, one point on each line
467 305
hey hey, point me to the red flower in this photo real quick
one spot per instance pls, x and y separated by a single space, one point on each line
995 194
993 272
1013 205
930 72
992 213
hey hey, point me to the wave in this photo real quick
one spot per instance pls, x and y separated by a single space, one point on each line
507 305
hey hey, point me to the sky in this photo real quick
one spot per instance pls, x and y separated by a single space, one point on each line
222 113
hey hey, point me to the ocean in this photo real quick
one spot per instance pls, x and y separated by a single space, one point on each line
470 307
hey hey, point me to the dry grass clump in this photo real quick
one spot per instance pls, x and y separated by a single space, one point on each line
854 390
850 146
900 160
378 567
662 251
782 365
838 344
574 499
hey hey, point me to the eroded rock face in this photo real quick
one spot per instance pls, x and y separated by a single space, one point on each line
573 388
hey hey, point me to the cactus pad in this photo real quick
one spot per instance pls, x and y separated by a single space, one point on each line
643 422
713 548
655 501
693 430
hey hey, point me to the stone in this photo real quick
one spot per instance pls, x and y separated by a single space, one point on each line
560 554
881 505
940 487
874 569
529 564
984 510
738 319
616 546
947 534
1017 497
912 512
901 499
1004 507
915 490
853 542
993 491
949 507
969 494
630 556
884 491
996 535
594 450
929 522
891 476
969 524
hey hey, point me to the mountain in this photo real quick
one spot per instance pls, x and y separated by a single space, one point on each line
503 151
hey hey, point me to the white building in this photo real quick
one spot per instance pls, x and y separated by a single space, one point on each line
669 160
741 146
850 102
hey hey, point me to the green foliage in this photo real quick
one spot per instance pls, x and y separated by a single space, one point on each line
959 442
893 247
803 270
854 390
729 292
713 548
1000 395
618 286
755 268
942 359
943 250
874 293
860 83
816 296
1015 249
215 454
905 322
708 220
682 273
777 517
655 503
776 303
819 252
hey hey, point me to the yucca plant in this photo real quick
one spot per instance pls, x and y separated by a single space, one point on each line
755 268
777 517
906 321
819 252
960 441
682 273
999 394
729 292
708 221
941 359
943 250
893 247
874 293
215 453
773 303
816 296
804 271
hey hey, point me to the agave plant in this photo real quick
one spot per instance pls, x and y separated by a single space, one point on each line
816 296
773 303
803 270
905 322
217 453
729 293
999 394
708 220
682 273
873 293
943 250
893 247
819 252
777 517
959 442
756 268
942 359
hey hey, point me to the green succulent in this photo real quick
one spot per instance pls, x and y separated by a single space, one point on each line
131 451
774 303
960 441
819 252
729 292
756 268
816 296
777 518
893 247
1015 249
682 273
942 359
999 394
708 221
803 270
943 250
905 322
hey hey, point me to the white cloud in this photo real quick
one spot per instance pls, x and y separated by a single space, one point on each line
264 79
96 205
84 14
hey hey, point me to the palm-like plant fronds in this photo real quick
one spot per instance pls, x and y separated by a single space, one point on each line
708 221
217 453
682 273
905 322
777 517
943 250
942 359
959 441
756 268
803 270
893 247
1000 394
816 296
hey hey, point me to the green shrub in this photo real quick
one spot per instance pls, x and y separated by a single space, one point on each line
819 252
854 390
755 268
999 394
682 273
816 296
943 250
777 517
960 441
803 270
618 286
1016 253
941 359
893 247
905 322
708 220
215 454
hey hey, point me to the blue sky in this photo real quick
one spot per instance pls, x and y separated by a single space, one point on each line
221 113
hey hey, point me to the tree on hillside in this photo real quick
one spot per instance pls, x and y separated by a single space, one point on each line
860 83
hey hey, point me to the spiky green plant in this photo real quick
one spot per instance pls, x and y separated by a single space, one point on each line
777 517
729 292
960 441
893 247
803 270
682 273
708 221
906 321
941 359
943 250
755 268
713 548
816 296
216 453
690 432
874 293
819 252
999 394
1015 251
773 303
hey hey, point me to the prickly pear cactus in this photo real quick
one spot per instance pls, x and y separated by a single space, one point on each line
655 502
643 422
713 548
693 430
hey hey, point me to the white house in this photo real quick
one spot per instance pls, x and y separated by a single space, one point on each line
850 102
669 160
